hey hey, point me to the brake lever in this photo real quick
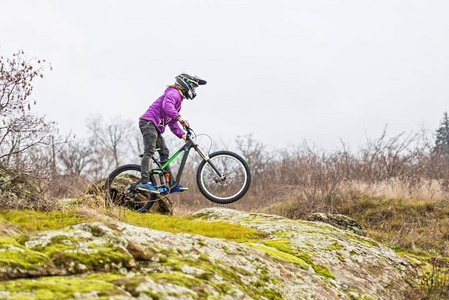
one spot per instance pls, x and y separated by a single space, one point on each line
189 131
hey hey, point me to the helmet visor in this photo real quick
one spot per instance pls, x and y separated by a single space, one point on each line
192 84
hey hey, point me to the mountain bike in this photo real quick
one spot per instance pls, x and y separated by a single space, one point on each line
222 177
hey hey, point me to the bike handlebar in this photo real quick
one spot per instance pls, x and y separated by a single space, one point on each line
189 130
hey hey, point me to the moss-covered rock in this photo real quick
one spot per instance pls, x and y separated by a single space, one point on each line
17 261
354 265
290 260
339 221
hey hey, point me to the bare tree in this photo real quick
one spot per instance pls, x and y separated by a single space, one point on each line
75 157
20 130
258 158
113 136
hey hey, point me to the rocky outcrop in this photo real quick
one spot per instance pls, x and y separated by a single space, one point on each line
339 221
350 265
296 260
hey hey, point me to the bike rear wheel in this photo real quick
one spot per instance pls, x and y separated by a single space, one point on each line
121 187
235 182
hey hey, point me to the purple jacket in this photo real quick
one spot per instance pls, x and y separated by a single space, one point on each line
165 110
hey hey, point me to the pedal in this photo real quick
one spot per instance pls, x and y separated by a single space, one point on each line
175 190
162 190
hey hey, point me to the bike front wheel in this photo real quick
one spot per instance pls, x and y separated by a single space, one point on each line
235 180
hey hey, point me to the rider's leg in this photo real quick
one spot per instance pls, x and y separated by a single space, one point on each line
164 153
164 157
150 136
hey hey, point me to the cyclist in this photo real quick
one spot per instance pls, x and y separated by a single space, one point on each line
165 111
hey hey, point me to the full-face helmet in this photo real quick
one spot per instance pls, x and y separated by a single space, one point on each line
189 83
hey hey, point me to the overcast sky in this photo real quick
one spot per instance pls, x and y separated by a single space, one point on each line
284 70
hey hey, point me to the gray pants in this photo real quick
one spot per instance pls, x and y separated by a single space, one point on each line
152 139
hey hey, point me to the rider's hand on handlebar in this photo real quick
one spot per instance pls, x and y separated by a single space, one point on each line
184 122
184 138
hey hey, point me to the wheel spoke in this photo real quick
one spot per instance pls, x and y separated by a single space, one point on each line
234 182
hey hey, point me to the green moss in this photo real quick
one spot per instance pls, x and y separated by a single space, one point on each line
20 256
67 240
34 221
279 255
323 227
355 237
242 271
229 274
179 279
224 287
341 258
201 215
204 276
92 258
286 246
57 288
323 271
271 294
226 249
305 257
204 257
416 259
212 229
279 244
283 233
22 239
221 269
335 246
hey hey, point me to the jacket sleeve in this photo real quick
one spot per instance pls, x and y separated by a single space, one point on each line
174 127
168 105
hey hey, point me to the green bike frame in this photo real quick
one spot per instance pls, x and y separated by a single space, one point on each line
185 150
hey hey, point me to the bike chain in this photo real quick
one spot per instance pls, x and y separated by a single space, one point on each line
158 199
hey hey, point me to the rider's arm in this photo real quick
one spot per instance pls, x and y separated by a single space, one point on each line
174 127
169 106
183 122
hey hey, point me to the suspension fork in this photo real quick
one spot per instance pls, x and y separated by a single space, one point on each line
206 158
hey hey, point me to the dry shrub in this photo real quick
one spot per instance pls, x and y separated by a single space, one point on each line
20 191
306 179
7 229
394 188
64 186
434 283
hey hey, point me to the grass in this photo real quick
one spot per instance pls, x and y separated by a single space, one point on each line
418 227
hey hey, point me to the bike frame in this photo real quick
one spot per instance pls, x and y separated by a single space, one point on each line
185 150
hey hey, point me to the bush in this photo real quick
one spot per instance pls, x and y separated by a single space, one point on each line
19 191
